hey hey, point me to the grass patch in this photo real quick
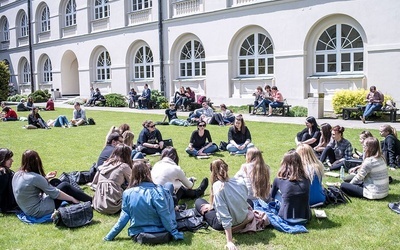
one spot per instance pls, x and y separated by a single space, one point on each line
361 224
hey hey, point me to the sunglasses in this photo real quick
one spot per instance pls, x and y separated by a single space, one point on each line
201 125
152 126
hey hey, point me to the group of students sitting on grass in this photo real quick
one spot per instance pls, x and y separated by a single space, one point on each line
148 197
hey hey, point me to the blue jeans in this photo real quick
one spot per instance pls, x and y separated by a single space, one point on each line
370 108
179 122
232 148
211 149
263 104
61 121
276 104
136 155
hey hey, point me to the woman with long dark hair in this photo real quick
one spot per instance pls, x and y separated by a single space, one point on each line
34 194
200 141
110 179
309 135
148 207
239 137
35 120
294 187
7 200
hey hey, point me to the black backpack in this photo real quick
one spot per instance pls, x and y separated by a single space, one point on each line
75 215
190 220
334 195
91 121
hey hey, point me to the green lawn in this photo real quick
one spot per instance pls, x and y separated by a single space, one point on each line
361 224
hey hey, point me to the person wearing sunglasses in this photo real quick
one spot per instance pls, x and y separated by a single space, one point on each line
150 139
200 142
239 137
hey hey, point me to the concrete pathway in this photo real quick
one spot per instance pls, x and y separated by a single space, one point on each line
247 117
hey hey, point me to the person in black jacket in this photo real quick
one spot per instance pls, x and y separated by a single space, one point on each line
7 200
390 146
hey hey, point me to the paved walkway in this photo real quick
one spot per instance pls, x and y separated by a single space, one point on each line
274 119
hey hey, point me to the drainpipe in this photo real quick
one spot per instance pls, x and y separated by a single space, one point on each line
161 47
30 46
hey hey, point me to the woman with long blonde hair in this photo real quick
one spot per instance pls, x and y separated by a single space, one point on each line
256 175
228 208
314 169
372 178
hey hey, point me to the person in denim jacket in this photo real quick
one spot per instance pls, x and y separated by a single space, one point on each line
148 207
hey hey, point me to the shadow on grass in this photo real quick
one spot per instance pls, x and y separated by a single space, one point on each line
262 237
188 237
319 224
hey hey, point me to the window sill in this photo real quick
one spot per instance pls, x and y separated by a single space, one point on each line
189 79
352 76
249 78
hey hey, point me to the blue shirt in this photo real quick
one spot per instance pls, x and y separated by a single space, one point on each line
148 208
317 194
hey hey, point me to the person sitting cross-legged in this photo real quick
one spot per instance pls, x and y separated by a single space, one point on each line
200 142
79 115
239 137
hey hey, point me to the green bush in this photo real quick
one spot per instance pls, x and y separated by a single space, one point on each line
298 111
159 100
115 100
40 95
350 98
16 98
4 79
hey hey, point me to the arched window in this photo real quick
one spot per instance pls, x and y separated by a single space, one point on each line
192 60
45 19
103 66
24 28
26 73
143 65
256 56
47 71
6 31
339 50
140 4
70 13
101 9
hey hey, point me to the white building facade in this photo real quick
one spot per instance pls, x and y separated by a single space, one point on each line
223 49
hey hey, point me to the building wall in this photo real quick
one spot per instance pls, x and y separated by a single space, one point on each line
292 26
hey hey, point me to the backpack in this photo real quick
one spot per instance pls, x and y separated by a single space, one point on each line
190 220
334 195
222 146
90 121
75 215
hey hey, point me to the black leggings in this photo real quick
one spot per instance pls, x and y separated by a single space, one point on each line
210 217
352 189
71 191
330 154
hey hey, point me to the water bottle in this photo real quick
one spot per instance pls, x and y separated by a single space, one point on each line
341 174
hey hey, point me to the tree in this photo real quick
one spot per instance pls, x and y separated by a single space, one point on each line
4 80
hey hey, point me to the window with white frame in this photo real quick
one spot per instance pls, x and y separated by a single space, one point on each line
70 13
24 26
26 73
6 31
47 71
101 9
103 66
140 4
256 56
45 19
192 60
340 49
143 64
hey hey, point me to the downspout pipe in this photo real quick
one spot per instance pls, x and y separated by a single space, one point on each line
30 45
161 47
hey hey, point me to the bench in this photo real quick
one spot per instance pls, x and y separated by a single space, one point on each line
347 111
284 110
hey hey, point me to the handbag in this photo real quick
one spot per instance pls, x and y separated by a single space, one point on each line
168 143
152 238
334 195
223 145
75 215
190 220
